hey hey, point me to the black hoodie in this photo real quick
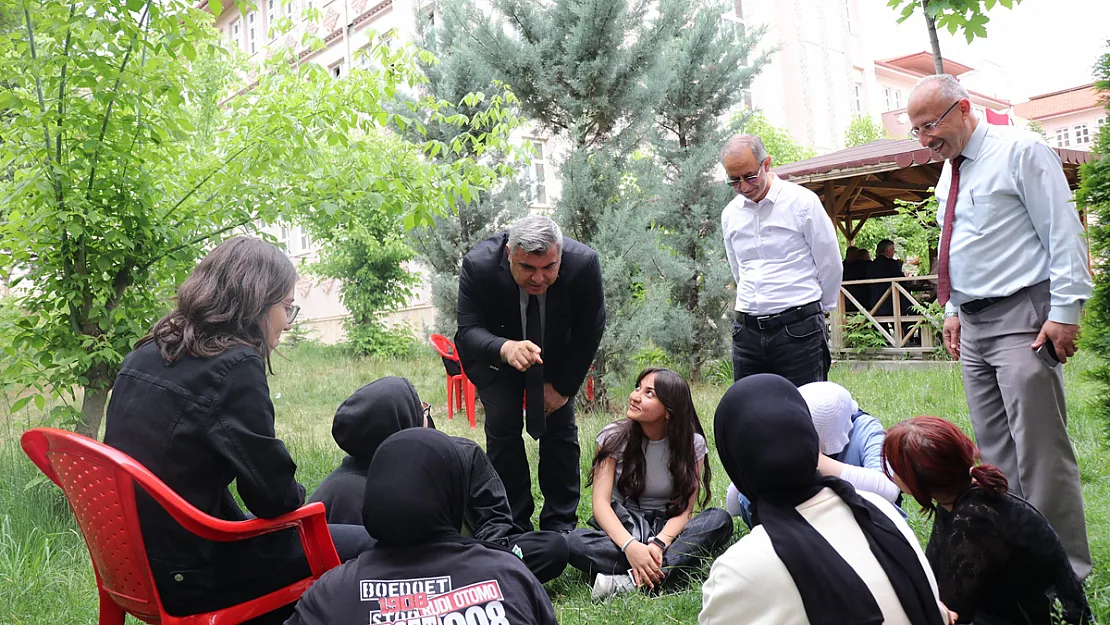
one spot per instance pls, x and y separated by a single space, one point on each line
369 416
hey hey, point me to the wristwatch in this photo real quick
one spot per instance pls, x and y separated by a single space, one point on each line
658 542
949 315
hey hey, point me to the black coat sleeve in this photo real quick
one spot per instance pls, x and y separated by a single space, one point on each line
487 508
474 337
242 430
586 329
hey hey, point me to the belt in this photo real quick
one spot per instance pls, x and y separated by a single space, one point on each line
976 306
790 315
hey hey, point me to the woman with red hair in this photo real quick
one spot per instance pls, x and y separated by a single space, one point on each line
996 558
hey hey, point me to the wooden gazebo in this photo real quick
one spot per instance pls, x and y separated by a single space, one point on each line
863 182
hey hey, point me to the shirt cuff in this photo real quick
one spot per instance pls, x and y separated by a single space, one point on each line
1066 313
951 308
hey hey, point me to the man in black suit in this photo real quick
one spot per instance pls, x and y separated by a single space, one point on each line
531 314
856 261
885 266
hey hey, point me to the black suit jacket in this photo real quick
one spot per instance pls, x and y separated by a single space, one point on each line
883 267
489 315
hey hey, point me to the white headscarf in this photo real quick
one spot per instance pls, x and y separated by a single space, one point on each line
831 407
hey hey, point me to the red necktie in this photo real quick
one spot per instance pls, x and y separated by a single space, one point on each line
944 284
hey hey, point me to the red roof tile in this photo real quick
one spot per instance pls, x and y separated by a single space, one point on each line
1060 102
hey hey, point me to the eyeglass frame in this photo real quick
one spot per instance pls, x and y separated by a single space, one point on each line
750 179
427 410
915 133
291 311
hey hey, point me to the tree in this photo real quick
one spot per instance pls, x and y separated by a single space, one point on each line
970 16
710 69
126 168
782 148
862 130
590 71
1093 196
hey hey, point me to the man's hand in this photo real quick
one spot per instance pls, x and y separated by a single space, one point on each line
950 617
951 336
521 354
552 400
1063 337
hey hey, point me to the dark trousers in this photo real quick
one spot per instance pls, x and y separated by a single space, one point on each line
276 572
798 351
705 536
544 553
559 454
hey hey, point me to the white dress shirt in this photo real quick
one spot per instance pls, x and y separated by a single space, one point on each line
1016 224
750 584
783 251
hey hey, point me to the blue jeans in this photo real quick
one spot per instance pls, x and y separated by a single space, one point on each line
798 351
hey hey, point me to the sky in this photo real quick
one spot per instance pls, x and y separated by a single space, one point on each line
1038 47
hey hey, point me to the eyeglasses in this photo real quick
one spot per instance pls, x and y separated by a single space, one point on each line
291 312
931 126
750 179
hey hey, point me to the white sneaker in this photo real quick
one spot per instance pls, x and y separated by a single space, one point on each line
606 586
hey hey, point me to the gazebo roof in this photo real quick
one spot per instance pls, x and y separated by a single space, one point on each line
864 181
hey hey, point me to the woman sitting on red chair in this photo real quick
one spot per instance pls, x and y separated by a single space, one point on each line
191 403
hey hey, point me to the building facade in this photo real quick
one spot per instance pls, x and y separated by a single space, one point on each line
1070 118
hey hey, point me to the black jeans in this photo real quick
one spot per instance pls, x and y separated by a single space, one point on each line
798 351
559 454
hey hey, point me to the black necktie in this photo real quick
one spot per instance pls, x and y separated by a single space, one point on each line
533 378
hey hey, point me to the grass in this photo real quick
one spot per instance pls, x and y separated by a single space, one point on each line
45 575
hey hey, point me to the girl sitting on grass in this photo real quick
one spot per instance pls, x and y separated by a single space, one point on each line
645 483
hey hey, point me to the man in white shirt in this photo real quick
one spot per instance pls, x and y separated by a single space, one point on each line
785 261
1012 273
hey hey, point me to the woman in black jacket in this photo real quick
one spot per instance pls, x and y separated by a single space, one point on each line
192 405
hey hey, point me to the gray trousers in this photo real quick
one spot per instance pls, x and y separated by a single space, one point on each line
1019 413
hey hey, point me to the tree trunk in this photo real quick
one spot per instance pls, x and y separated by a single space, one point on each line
931 25
92 411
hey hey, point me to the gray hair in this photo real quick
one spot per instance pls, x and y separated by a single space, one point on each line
535 235
947 87
745 142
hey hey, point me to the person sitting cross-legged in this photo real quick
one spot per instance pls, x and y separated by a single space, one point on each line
645 485
996 558
386 406
820 552
851 445
422 570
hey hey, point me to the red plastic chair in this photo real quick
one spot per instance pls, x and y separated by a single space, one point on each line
459 387
99 484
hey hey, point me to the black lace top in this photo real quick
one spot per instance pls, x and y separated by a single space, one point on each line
998 561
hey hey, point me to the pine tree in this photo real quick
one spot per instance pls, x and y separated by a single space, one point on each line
1094 196
711 65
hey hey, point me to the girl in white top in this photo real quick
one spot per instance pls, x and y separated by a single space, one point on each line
820 552
645 486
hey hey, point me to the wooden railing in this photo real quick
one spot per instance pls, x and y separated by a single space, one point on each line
897 329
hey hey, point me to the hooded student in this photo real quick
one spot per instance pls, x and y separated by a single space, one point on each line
422 570
851 445
820 552
389 405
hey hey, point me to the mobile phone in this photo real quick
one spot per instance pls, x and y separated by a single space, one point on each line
1047 353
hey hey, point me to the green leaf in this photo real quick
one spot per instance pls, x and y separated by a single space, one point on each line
20 403
40 402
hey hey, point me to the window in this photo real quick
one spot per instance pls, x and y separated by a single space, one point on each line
848 15
288 5
285 237
271 16
739 8
252 32
234 33
304 239
1062 138
338 70
1082 137
538 173
886 98
857 98
1101 122
897 99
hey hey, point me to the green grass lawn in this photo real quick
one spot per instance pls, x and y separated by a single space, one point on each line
45 575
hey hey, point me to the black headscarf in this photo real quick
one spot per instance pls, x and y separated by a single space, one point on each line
768 446
374 412
416 490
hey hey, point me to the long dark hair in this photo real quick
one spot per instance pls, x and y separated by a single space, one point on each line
225 301
933 457
628 443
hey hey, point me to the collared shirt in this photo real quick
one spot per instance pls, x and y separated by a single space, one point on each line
1015 223
524 312
782 250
